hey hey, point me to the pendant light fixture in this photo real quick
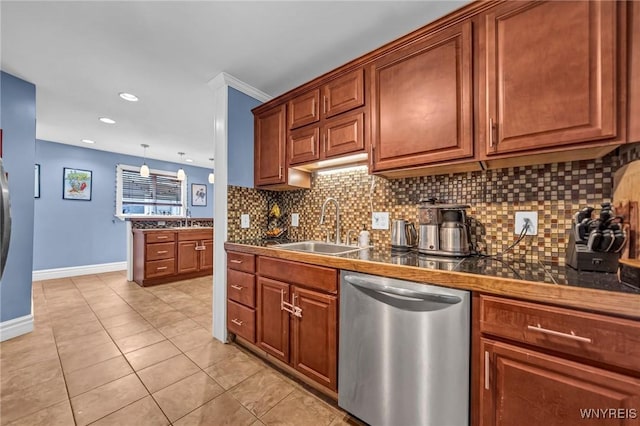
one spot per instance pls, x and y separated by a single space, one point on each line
144 169
181 174
212 177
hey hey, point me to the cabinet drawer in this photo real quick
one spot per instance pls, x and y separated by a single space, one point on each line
241 262
160 268
608 340
160 237
195 235
241 287
241 321
310 276
160 251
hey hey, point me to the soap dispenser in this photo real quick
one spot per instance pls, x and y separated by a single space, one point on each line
363 238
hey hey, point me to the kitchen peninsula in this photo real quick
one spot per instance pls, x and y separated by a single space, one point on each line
171 250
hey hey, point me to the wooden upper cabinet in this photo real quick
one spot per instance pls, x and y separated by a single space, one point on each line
421 102
269 146
304 109
303 145
547 74
343 135
343 94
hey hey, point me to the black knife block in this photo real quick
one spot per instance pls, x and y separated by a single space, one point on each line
579 257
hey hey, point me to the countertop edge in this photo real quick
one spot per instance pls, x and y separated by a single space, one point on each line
601 301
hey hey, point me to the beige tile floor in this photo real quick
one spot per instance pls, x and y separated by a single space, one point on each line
105 351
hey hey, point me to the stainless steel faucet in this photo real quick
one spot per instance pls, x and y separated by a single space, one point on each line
324 206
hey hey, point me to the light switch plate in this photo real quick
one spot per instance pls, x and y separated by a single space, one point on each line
244 221
295 219
380 220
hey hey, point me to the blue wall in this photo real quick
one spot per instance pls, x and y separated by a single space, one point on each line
18 122
76 233
240 135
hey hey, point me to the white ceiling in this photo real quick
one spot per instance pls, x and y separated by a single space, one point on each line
81 54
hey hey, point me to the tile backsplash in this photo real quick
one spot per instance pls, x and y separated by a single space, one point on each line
555 191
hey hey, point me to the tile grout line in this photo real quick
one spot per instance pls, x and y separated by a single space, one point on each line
119 350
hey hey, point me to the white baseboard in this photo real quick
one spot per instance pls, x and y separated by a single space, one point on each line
73 271
16 327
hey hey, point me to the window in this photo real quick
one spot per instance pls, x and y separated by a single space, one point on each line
160 194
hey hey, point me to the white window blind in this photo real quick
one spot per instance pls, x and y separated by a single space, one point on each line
160 194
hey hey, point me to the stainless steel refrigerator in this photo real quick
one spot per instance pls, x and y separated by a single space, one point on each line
5 219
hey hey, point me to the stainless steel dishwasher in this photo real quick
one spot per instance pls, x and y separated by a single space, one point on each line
404 352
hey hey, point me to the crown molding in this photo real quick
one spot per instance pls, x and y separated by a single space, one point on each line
224 79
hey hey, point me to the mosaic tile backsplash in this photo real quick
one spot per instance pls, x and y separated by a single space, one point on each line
556 191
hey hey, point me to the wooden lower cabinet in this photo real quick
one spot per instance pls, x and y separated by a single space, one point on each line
165 255
521 386
296 317
188 256
272 321
314 336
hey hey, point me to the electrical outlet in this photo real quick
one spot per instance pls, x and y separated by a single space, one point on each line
295 219
520 223
380 220
244 221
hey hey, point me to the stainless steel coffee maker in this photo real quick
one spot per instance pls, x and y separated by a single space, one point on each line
443 229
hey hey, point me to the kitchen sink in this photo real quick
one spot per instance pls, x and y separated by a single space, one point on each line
318 247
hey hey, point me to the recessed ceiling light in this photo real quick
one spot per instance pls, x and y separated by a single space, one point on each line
189 160
107 120
87 141
128 97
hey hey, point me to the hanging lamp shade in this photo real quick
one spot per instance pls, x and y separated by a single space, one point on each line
144 169
181 174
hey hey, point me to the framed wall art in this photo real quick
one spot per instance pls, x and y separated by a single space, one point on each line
76 184
198 194
36 182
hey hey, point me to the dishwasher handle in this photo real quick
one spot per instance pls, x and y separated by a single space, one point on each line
372 283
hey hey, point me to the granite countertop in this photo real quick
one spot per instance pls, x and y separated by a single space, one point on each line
532 280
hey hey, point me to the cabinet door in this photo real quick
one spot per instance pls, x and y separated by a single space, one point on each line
314 340
343 93
304 109
206 255
527 387
421 102
187 256
343 135
270 139
304 145
553 84
272 321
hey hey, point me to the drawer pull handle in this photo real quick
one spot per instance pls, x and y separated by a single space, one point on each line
162 237
486 370
162 251
236 261
236 287
161 268
201 247
236 322
571 336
